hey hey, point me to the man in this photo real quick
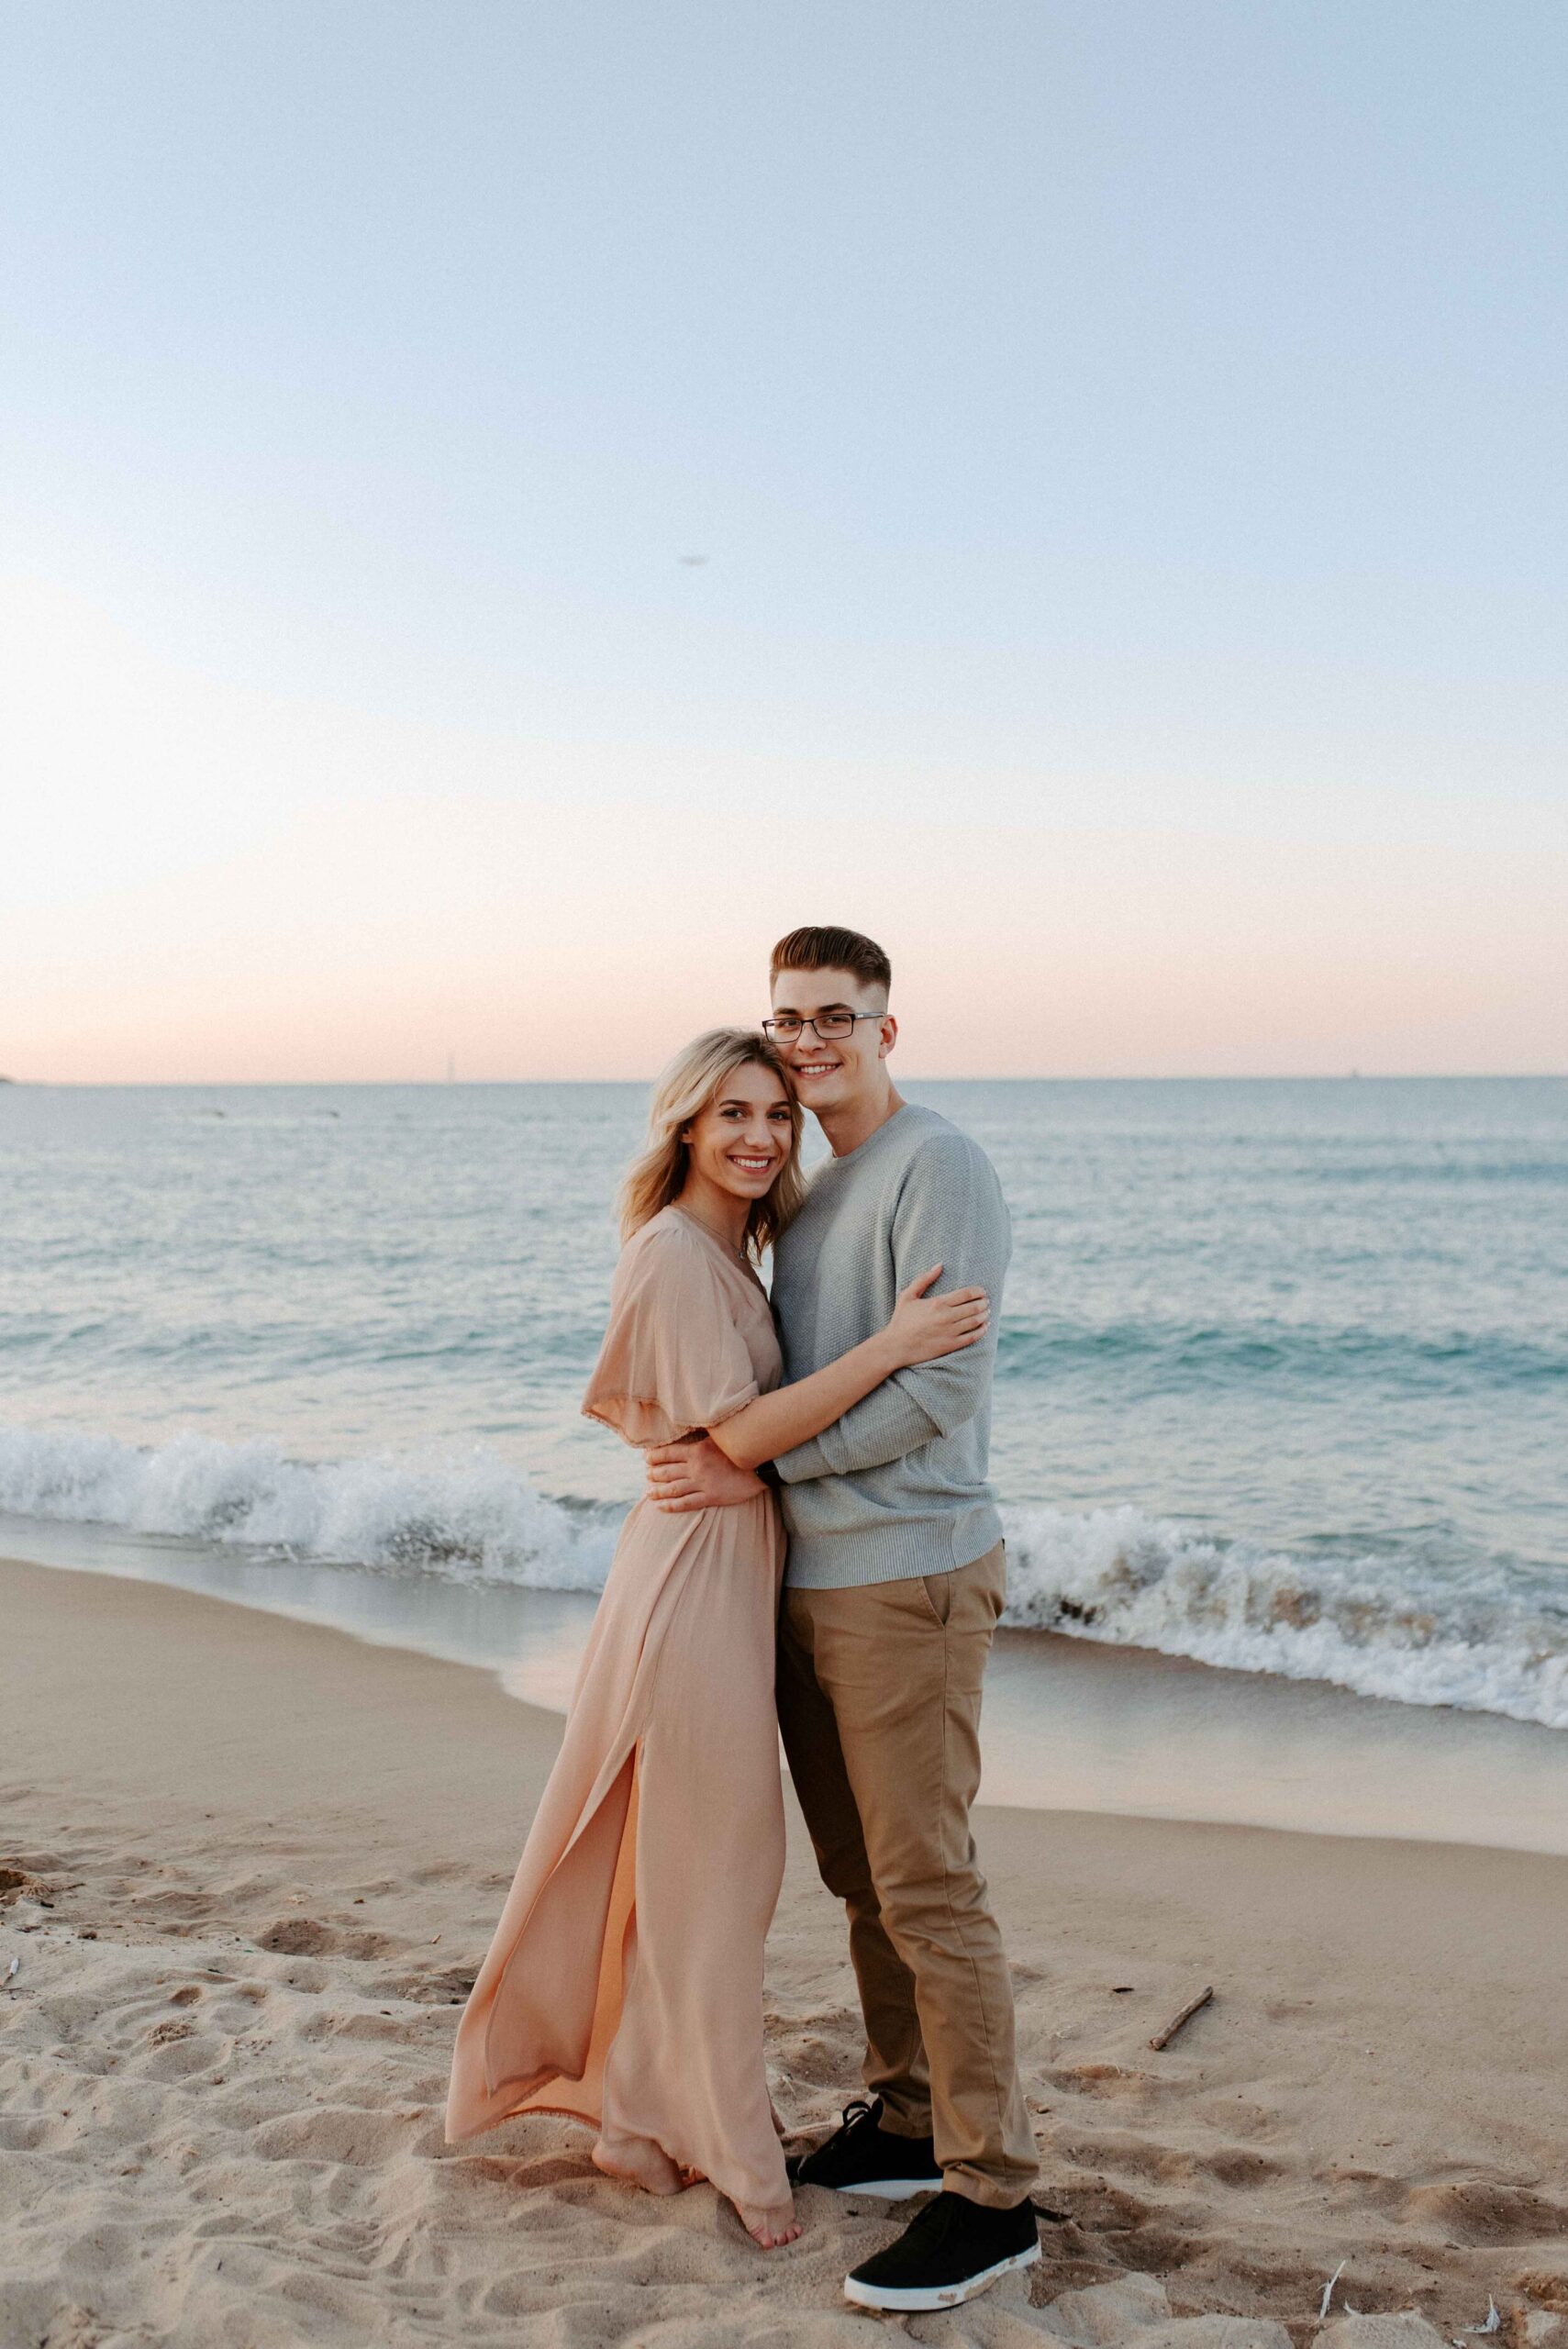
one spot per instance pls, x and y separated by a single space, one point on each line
895 1582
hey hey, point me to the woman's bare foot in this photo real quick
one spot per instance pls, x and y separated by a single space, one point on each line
639 2161
771 2230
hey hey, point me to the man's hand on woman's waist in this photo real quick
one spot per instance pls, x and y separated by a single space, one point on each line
697 1475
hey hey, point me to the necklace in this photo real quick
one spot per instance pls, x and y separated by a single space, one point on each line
702 1225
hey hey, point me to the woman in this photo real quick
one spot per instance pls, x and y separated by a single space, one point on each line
624 1983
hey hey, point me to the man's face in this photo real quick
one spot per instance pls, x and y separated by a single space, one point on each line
833 1072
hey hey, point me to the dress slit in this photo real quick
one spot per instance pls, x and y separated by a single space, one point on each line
560 2085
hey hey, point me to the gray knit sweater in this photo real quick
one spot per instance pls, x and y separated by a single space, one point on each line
896 1486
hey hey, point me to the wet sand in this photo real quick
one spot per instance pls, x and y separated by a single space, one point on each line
1071 1723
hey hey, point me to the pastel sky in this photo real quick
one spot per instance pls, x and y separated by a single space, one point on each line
1126 443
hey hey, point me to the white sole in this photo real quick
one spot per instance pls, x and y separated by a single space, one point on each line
890 2189
927 2296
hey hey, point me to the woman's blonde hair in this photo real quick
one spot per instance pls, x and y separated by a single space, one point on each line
683 1091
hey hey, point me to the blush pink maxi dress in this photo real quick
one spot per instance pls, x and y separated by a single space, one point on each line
624 1983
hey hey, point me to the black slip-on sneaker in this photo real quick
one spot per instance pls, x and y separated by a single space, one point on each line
862 2157
951 2250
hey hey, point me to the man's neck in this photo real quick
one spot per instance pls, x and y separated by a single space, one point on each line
846 1129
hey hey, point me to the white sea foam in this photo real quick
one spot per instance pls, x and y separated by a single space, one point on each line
462 1514
1376 1624
1381 1625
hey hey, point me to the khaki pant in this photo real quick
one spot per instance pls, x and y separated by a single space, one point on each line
879 1703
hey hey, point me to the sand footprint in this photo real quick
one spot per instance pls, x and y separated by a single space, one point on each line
313 1937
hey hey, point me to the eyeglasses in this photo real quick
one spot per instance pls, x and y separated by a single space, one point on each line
828 1027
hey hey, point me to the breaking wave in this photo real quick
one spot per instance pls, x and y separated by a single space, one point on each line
464 1514
1393 1625
1383 1625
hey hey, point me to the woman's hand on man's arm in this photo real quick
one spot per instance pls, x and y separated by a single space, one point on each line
920 1329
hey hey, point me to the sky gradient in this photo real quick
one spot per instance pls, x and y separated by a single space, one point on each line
1126 444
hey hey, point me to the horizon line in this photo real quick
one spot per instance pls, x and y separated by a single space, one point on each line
479 1083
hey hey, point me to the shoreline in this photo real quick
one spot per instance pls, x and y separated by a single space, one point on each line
271 1855
1069 1724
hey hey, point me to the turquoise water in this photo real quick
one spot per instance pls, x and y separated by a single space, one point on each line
1283 1378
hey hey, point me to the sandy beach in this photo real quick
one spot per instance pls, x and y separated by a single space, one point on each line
250 1865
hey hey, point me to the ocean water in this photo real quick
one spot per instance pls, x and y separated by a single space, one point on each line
1282 1380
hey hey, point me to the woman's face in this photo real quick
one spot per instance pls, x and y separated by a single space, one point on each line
744 1136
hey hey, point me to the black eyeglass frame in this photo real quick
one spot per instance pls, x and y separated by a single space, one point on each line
771 1027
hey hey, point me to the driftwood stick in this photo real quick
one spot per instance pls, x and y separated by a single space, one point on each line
1163 2038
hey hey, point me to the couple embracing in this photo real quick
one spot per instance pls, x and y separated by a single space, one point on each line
845 1597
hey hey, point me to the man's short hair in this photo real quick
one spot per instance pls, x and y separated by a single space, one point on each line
825 948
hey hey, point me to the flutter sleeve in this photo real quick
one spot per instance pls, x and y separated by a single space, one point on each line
673 1359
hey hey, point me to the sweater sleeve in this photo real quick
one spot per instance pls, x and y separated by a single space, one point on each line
950 1212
